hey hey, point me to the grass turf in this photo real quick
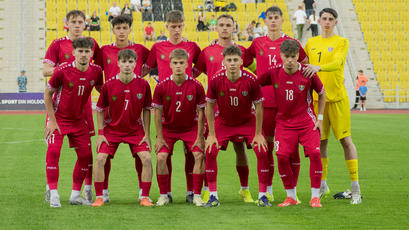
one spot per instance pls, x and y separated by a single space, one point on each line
381 140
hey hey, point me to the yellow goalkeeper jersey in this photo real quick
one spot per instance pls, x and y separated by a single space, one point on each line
330 54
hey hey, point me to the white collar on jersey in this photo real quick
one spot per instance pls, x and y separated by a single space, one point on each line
116 76
73 64
171 77
282 35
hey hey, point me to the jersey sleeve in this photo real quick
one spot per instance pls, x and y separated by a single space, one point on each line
317 85
99 59
341 51
247 59
158 98
103 99
51 57
197 52
147 104
201 63
211 91
100 78
151 60
144 53
251 51
265 78
97 50
56 80
301 55
201 99
256 94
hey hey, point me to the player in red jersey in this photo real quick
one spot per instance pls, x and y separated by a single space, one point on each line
127 99
59 52
235 91
159 57
210 62
179 100
65 97
266 51
296 120
108 60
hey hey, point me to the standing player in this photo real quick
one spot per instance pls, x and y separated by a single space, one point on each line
108 60
327 54
59 52
65 97
210 61
126 98
178 99
159 57
296 122
235 91
266 51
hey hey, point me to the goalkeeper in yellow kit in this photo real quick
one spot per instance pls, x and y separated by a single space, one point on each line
327 54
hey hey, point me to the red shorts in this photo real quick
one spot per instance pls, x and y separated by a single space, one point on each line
244 132
287 140
88 117
132 139
77 133
188 138
269 121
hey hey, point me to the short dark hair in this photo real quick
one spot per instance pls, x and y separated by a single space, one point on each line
228 16
232 50
83 42
289 47
121 19
179 54
126 54
330 11
175 16
274 9
360 71
75 13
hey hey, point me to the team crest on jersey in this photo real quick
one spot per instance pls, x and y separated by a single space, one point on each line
221 93
189 97
167 98
139 95
109 61
244 93
261 53
276 85
301 87
67 56
211 58
330 49
162 56
113 98
92 82
70 84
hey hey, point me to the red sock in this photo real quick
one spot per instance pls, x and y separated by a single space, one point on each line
163 181
52 168
205 177
284 167
198 183
99 186
270 148
107 170
81 166
315 169
295 167
146 188
138 168
211 168
243 172
88 177
189 164
263 169
169 164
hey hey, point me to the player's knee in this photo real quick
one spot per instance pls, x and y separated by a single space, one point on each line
101 159
198 156
146 158
161 158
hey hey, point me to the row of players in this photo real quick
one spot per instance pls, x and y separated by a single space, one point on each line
329 59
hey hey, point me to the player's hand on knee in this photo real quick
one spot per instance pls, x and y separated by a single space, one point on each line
101 139
310 70
260 142
51 127
160 143
146 139
210 141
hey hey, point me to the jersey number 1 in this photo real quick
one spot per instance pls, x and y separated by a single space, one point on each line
81 90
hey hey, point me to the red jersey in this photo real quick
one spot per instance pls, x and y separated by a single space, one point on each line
267 54
211 57
72 90
125 103
179 103
60 51
293 94
108 58
160 52
234 99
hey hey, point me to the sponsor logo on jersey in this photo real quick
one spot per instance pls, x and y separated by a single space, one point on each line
261 53
211 58
109 61
167 98
233 90
113 98
67 56
178 93
70 84
330 49
162 56
301 87
276 85
289 82
244 93
189 97
127 91
92 82
139 95
221 93
272 48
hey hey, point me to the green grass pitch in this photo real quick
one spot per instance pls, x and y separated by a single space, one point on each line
382 142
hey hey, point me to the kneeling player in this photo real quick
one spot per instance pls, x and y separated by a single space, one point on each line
296 121
125 97
235 91
177 99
